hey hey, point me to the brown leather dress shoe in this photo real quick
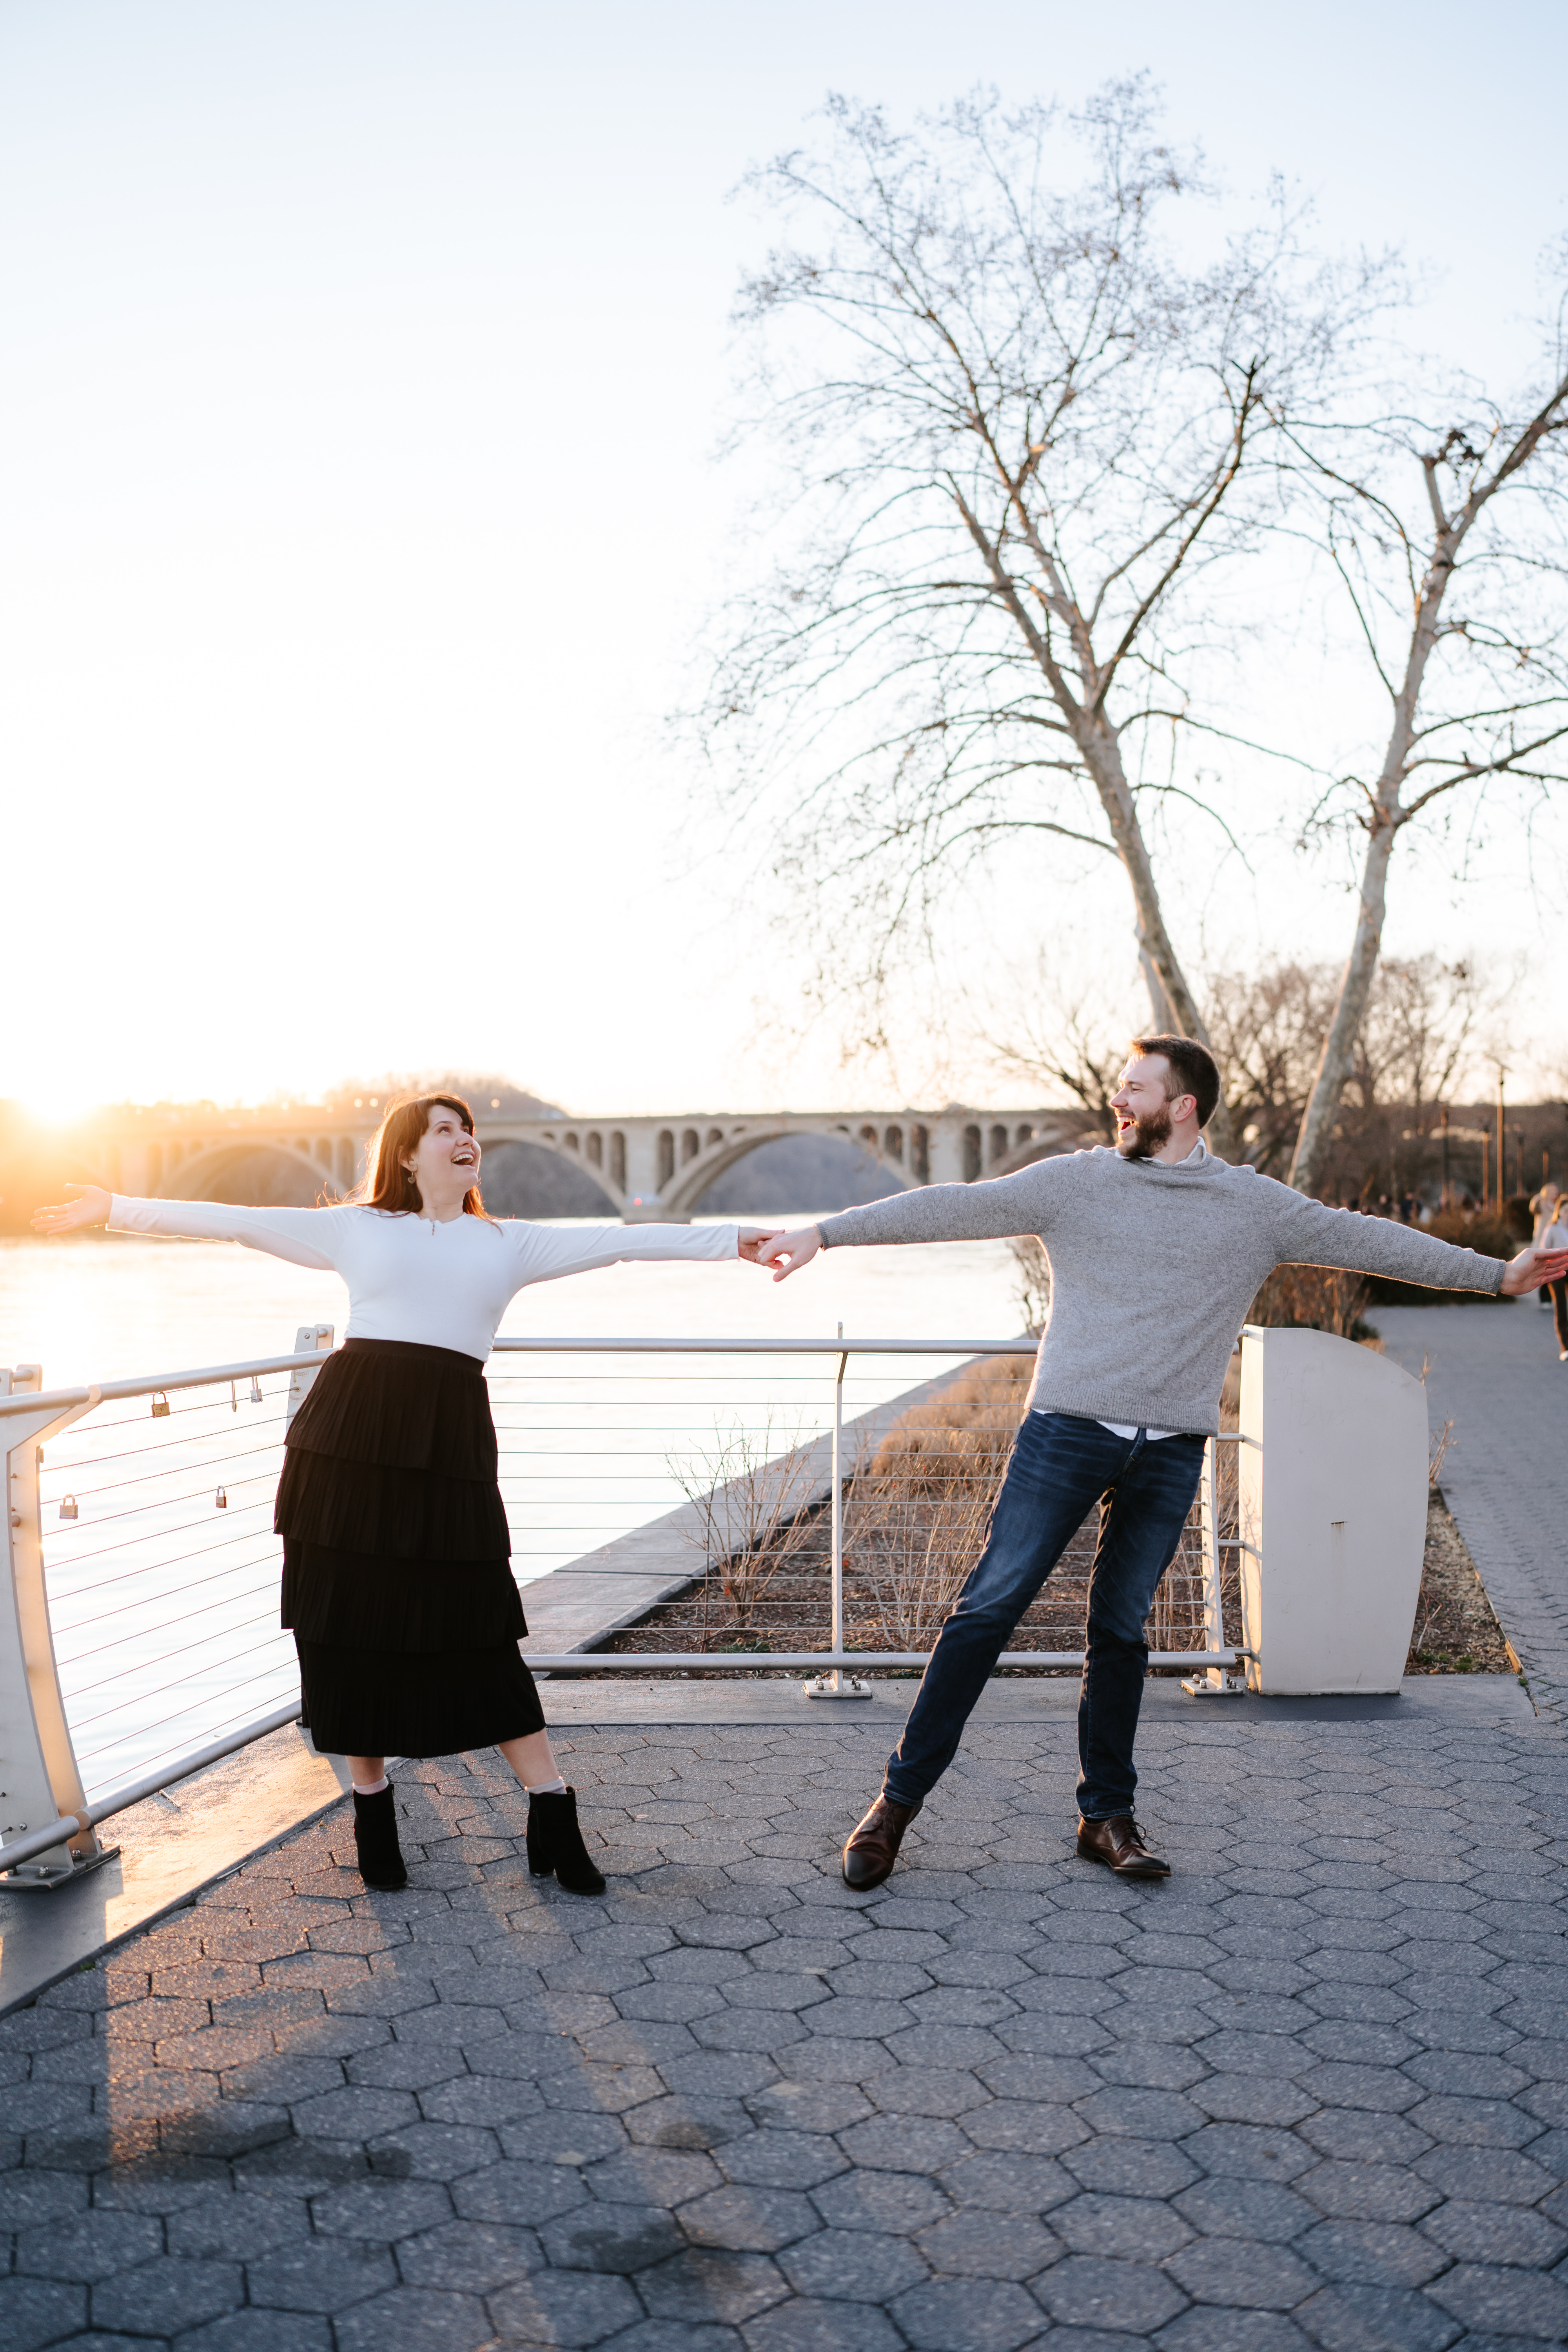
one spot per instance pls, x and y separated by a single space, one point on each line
1119 1844
873 1847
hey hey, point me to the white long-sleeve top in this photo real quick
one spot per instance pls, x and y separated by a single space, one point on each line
440 1286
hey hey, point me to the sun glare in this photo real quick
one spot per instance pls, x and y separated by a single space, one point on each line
58 1108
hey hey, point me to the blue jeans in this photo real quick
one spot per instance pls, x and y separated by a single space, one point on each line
1061 1466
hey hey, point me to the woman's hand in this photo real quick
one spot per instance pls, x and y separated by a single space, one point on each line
778 1247
91 1209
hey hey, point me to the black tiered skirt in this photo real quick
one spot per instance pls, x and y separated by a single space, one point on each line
397 1581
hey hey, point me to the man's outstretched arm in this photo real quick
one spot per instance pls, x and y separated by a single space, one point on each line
1313 1234
1000 1206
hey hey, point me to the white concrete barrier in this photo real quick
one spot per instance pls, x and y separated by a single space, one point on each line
1332 1512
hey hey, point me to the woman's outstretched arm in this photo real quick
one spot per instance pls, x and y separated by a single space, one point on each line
547 1252
303 1236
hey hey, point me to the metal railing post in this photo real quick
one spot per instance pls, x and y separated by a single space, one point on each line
1213 1679
40 1783
302 1379
837 1685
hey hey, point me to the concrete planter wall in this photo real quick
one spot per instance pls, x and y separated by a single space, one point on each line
1333 1512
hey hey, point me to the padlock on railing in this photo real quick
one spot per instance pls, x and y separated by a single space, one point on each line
221 1502
256 1397
67 1508
160 1407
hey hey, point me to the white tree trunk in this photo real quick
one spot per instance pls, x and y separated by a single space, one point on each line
1338 1057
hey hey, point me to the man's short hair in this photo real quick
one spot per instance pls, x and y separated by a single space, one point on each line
1193 1070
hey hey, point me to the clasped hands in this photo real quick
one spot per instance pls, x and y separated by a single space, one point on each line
781 1248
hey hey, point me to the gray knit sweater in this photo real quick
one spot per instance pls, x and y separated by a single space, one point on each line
1154 1266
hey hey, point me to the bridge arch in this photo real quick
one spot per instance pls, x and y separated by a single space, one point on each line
604 1197
693 1176
192 1175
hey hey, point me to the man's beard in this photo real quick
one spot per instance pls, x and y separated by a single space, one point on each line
1149 1136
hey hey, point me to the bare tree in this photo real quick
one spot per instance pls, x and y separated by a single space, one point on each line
1417 1037
1449 540
1020 433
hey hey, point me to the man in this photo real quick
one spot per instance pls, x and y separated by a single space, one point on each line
1157 1249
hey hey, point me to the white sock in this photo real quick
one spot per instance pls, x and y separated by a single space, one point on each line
556 1787
374 1789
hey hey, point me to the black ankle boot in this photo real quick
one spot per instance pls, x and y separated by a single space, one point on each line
555 1842
381 1864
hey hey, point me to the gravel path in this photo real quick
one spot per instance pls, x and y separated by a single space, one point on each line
1495 1369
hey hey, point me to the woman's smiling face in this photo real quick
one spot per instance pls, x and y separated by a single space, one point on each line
447 1163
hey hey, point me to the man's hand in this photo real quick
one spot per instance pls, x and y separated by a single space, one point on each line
783 1250
1533 1267
92 1208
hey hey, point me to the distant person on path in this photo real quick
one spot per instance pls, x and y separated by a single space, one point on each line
1157 1249
1545 1208
1554 1236
397 1581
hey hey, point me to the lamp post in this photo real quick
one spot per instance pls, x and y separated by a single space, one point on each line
1444 1135
1501 1161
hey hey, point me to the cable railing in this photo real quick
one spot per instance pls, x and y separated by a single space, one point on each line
787 1505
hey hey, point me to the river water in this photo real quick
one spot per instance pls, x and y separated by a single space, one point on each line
161 1564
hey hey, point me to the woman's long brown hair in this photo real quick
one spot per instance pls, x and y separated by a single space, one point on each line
387 1183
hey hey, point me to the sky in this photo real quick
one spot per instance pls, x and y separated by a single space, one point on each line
364 372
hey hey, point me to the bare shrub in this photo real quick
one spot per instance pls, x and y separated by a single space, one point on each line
1313 1298
917 1512
753 1503
1031 1280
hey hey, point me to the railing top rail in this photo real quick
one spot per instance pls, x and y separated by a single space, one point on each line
156 1383
1023 1346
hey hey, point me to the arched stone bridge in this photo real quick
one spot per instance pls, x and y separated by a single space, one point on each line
648 1168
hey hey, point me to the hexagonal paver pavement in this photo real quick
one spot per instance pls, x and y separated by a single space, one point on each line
1312 2092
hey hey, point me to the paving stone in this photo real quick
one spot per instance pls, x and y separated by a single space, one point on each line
619 2238
1376 2319
904 2143
322 2275
1504 2301
90 2246
252 2330
966 2315
859 2265
1487 2173
704 2283
1243 2152
1256 2276
414 2319
749 2218
1377 2192
35 2310
1263 2210
1208 2327
781 2159
807 2325
1373 2254
563 2308
475 2256
166 2296
671 2335
1474 2232
1362 2136
1138 2227
972 2244
1088 2291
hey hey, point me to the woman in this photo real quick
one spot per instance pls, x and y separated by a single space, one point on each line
1554 1235
397 1577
